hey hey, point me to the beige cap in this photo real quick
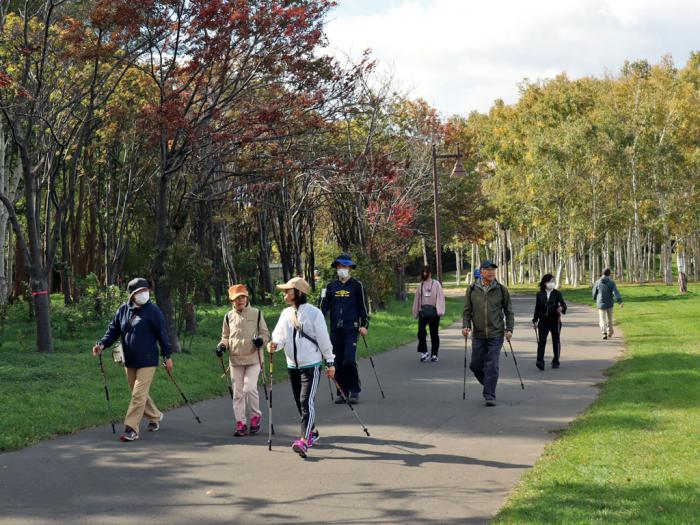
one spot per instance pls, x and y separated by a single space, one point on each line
296 283
236 291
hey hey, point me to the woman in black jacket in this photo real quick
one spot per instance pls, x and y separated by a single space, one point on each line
549 307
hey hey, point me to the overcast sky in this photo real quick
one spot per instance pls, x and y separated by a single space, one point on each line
461 55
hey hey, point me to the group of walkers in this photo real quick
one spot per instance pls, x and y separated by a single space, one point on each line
302 333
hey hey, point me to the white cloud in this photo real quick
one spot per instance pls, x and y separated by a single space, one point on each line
462 55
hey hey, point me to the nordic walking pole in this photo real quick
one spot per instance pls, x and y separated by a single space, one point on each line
109 402
187 402
464 387
270 429
330 389
516 365
226 376
262 373
373 368
347 402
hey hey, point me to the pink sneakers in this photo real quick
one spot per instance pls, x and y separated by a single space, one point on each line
313 438
300 447
241 429
255 424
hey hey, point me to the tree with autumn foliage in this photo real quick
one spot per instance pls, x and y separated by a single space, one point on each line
55 72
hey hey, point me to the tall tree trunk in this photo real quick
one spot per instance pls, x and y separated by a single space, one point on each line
667 255
162 244
682 278
311 253
458 263
4 266
264 253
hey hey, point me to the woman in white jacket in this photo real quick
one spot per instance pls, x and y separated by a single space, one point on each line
301 331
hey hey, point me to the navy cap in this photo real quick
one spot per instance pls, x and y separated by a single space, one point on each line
345 260
488 264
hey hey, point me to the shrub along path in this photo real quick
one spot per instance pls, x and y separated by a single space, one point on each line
432 457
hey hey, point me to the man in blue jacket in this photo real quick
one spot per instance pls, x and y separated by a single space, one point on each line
603 292
346 301
141 327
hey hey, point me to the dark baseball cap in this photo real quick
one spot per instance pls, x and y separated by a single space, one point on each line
487 264
136 285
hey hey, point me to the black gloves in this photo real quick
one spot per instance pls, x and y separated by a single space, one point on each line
220 350
258 342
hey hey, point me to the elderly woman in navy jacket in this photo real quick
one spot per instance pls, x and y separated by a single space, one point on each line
549 307
141 327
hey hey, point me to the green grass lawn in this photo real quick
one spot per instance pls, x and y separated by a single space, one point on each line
633 456
47 394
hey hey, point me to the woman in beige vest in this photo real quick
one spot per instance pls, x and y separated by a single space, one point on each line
243 334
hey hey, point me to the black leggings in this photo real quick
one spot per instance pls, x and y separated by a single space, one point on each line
304 385
434 325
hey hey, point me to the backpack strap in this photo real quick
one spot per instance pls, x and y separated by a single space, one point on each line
306 336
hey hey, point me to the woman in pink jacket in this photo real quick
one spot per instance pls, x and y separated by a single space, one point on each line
428 308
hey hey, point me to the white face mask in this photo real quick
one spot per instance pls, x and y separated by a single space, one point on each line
550 285
142 298
343 273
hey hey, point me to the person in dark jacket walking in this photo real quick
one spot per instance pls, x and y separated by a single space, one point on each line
603 292
140 326
488 311
549 307
346 301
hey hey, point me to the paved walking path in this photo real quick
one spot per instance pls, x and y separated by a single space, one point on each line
432 457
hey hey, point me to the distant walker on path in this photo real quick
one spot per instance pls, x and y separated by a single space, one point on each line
428 308
549 307
603 292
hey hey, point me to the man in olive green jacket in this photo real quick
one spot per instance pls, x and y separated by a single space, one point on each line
488 314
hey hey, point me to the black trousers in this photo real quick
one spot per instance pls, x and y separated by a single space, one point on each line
304 383
434 326
345 350
544 328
